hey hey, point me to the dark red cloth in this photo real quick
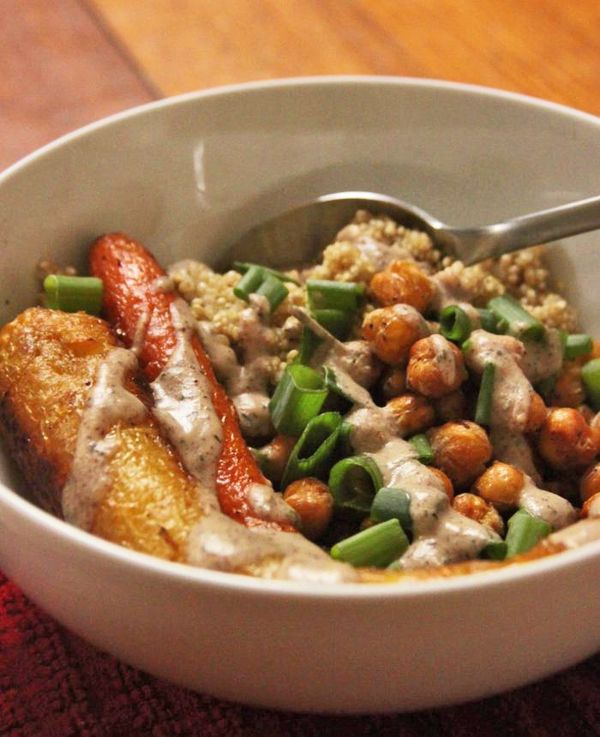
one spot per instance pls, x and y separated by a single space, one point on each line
54 684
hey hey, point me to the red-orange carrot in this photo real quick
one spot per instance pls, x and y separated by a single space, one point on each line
129 272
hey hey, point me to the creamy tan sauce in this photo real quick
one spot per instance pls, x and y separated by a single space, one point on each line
542 358
512 447
552 508
512 393
444 360
183 406
450 291
109 403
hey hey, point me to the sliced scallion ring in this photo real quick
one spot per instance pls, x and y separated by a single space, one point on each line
314 453
353 483
334 295
73 293
455 324
376 546
298 398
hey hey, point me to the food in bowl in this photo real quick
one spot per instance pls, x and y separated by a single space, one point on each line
411 417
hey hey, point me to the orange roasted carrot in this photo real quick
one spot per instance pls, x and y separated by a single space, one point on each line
129 273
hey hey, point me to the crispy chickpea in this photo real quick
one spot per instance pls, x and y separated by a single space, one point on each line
313 503
476 508
435 367
591 506
537 413
402 281
392 330
568 388
566 440
461 449
273 457
412 413
394 382
589 483
452 406
501 485
448 488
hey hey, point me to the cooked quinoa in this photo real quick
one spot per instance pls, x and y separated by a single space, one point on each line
353 256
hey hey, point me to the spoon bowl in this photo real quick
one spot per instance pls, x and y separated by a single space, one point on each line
305 230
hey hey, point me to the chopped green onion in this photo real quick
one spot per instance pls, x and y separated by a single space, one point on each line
524 531
309 342
73 293
520 323
274 290
423 447
390 503
455 324
491 323
376 546
336 322
244 266
495 550
590 375
335 295
353 483
483 410
314 453
258 280
298 397
577 344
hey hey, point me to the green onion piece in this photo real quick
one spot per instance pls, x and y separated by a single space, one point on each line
298 397
334 295
390 503
577 344
249 283
336 322
73 293
353 483
376 546
494 550
274 290
244 266
259 281
313 454
524 531
491 323
423 448
483 410
590 374
309 342
520 323
455 324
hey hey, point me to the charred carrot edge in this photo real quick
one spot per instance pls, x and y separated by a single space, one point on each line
129 272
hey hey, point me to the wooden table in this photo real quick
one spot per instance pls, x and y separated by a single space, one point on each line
64 63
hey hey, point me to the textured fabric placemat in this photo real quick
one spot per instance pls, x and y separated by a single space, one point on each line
52 683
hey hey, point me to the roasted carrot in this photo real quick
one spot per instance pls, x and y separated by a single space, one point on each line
129 273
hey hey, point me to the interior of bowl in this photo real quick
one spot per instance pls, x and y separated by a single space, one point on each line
186 176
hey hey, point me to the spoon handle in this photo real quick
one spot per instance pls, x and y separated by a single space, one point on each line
529 230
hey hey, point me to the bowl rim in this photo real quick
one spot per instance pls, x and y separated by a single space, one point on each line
145 564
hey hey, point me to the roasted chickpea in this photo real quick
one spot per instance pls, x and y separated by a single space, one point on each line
589 483
402 281
537 413
273 457
448 488
568 388
501 485
591 507
461 449
311 500
566 441
452 406
394 382
412 413
435 367
476 508
392 330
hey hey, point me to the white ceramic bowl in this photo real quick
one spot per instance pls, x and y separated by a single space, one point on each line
187 175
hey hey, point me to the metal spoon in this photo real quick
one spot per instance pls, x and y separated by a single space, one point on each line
297 236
